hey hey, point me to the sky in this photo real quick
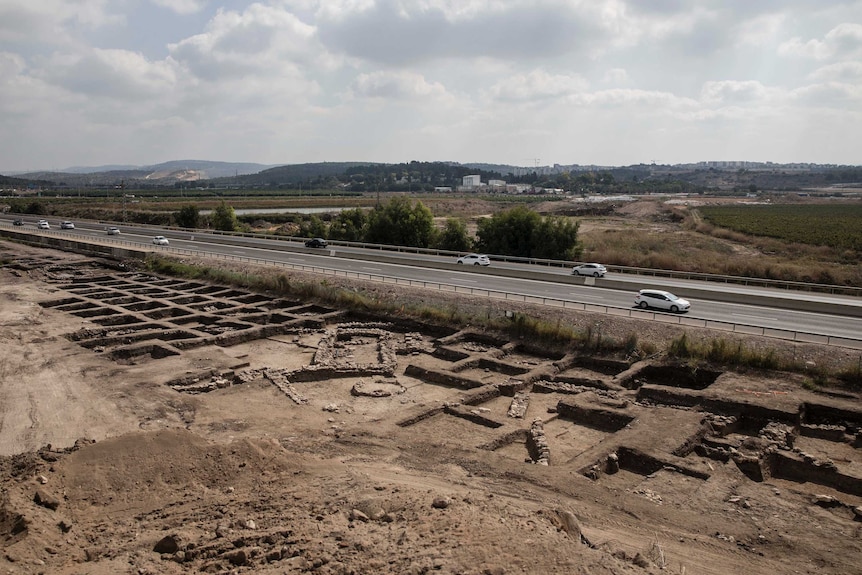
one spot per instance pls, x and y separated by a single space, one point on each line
520 82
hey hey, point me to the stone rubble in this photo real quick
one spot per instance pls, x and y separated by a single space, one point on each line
519 405
537 443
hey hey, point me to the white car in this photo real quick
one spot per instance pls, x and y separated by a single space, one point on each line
67 225
112 231
43 225
160 241
658 299
475 259
595 270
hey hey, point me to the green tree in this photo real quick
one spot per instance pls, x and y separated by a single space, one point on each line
188 216
313 227
454 236
348 225
556 238
401 222
508 233
522 232
224 219
36 208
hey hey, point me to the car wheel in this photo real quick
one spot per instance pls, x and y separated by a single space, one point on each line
460 262
475 263
576 272
595 275
674 309
643 305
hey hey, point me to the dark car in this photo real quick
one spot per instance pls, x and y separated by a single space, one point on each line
18 223
315 243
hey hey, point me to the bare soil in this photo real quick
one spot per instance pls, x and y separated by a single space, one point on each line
157 425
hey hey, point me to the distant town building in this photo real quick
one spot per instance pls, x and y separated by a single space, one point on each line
471 181
497 183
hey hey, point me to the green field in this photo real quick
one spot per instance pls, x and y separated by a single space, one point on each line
835 225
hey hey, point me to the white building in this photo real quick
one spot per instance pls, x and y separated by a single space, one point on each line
471 181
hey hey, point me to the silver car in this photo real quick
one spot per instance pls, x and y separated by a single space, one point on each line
595 270
160 241
658 299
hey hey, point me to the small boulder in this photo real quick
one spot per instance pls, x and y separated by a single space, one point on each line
826 501
238 557
168 545
46 500
357 515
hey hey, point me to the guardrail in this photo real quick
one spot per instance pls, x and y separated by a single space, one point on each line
733 327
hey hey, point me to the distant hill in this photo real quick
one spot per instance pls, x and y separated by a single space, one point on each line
296 173
13 182
164 173
415 176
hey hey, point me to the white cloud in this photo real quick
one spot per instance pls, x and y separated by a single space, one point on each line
830 95
537 85
760 31
734 92
615 76
53 21
396 86
843 41
841 71
262 40
112 74
181 6
305 80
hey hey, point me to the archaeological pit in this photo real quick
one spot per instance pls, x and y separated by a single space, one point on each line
614 421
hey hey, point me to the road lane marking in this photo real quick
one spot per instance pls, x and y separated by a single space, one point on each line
372 269
753 316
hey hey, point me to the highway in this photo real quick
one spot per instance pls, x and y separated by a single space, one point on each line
774 309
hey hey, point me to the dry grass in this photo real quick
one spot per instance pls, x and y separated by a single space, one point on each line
670 242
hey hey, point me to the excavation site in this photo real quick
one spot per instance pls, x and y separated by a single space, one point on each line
153 424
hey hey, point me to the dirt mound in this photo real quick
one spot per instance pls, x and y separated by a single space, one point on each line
640 209
137 467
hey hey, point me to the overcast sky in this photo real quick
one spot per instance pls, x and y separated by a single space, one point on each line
523 82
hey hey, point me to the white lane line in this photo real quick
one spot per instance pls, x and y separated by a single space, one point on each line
462 280
592 296
372 269
753 316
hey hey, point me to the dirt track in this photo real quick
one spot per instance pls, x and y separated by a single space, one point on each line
236 433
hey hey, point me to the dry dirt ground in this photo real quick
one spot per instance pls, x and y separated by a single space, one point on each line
157 425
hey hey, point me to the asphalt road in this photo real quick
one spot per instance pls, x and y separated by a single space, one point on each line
409 266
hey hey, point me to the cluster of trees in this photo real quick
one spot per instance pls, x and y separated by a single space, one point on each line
403 222
223 218
522 232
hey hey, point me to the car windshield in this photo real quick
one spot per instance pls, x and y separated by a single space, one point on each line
672 297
